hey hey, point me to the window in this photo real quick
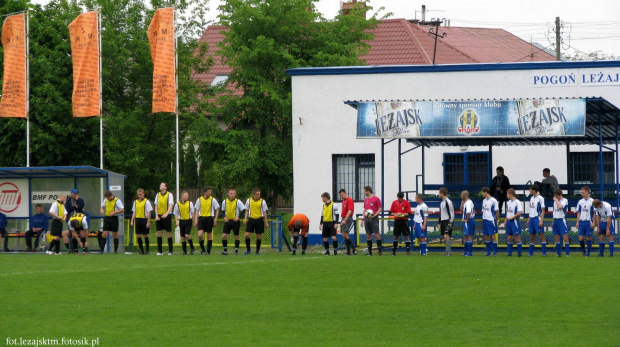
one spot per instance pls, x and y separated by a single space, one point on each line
219 80
352 172
466 168
586 170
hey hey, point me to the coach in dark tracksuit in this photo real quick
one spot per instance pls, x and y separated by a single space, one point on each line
499 186
74 204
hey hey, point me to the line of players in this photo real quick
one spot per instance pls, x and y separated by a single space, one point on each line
591 214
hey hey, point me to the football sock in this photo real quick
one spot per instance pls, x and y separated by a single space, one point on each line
487 246
601 248
99 238
495 247
159 244
209 245
258 243
379 245
369 243
295 239
567 248
170 245
191 244
83 239
115 245
58 246
202 244
531 249
335 245
408 245
237 242
140 244
52 245
66 244
558 248
247 243
589 248
394 246
184 244
582 245
147 243
326 246
611 248
519 248
423 247
544 247
225 245
448 245
304 243
509 244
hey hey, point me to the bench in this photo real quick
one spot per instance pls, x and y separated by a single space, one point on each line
18 235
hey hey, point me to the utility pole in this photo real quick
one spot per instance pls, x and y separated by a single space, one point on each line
558 39
435 32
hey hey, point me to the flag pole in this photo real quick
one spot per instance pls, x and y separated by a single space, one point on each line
27 30
176 100
100 92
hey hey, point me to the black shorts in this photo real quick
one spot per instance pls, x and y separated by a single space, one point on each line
110 223
56 228
328 229
255 225
443 226
185 227
205 224
232 225
401 227
4 233
164 223
140 226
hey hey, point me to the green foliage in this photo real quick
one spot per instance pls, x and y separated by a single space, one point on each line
280 300
596 55
265 39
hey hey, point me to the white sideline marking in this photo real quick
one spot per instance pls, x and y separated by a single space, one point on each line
155 266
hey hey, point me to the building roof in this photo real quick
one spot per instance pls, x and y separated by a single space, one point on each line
402 42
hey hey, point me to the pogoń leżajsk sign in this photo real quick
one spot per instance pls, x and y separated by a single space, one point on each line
519 118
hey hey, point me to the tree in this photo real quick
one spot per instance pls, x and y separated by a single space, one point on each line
596 55
265 39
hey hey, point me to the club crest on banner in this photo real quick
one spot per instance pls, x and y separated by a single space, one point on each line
468 122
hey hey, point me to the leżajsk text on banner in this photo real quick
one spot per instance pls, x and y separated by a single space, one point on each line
161 39
14 101
84 34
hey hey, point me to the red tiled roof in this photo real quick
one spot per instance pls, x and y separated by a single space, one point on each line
400 42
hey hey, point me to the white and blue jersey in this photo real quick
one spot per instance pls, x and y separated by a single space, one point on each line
604 212
421 212
537 204
489 222
559 217
469 224
586 215
513 227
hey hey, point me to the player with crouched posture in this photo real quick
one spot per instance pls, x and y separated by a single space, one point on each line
514 210
299 225
329 223
605 222
78 225
490 215
560 229
401 210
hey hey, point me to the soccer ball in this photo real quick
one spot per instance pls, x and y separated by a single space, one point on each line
369 213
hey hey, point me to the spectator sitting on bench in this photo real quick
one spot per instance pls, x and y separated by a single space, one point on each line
548 185
38 225
3 233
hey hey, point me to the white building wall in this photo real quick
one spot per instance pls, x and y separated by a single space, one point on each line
323 125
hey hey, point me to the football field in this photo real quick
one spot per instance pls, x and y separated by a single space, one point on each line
276 299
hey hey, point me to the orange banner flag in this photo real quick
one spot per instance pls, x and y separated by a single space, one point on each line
14 101
84 34
161 39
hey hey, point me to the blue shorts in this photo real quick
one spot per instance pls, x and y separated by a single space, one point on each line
489 228
419 234
603 230
469 227
513 227
534 228
584 228
559 226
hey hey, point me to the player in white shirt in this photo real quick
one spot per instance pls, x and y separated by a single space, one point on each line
585 218
420 218
560 229
514 210
469 223
535 222
605 222
490 215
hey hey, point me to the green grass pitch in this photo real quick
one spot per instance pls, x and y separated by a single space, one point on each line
276 299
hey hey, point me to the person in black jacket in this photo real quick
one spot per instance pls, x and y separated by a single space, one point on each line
499 186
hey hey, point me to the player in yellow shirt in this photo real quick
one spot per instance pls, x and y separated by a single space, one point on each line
111 207
141 220
255 215
183 212
164 201
232 208
206 212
